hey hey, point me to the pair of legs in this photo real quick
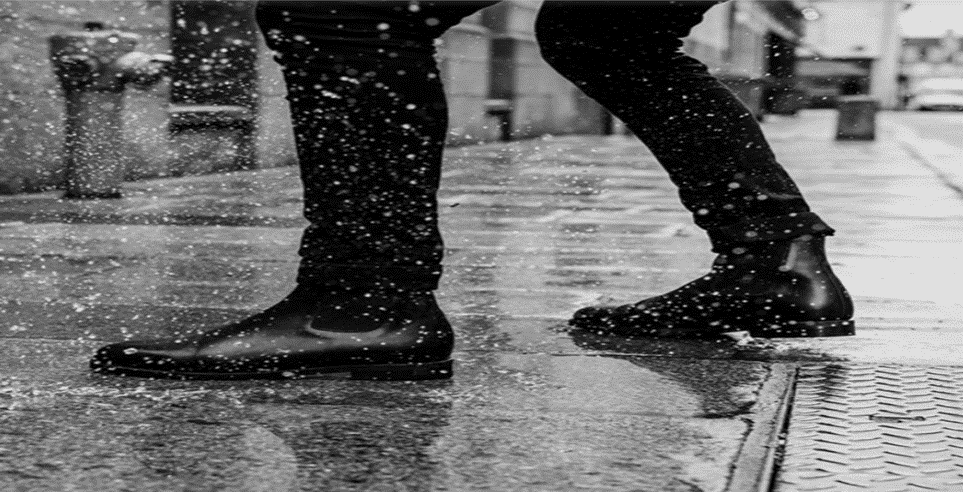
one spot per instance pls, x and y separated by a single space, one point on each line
371 119
370 122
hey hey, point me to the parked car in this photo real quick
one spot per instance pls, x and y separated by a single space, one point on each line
937 95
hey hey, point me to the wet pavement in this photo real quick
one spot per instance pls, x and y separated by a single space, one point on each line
534 230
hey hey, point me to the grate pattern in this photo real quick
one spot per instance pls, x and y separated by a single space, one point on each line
878 428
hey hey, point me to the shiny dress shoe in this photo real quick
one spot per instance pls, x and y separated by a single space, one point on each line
778 289
311 333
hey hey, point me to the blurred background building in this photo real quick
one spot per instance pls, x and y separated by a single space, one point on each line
223 106
932 71
933 56
850 48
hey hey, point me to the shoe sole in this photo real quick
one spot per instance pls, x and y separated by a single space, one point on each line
807 329
381 372
791 329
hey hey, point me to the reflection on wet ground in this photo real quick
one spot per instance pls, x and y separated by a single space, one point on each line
534 230
509 421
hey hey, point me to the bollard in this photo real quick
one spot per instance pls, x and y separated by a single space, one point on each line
857 118
93 68
502 110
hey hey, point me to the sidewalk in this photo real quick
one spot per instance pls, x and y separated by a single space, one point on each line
534 230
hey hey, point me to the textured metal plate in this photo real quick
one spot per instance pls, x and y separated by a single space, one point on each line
875 427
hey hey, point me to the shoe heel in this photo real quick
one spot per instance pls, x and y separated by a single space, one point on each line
405 372
807 329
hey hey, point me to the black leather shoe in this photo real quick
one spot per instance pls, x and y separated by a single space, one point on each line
348 333
779 289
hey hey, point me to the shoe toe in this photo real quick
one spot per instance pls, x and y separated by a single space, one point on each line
593 317
133 355
116 355
628 319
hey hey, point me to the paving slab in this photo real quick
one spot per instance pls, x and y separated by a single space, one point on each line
508 422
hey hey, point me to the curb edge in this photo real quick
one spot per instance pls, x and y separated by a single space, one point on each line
754 469
937 162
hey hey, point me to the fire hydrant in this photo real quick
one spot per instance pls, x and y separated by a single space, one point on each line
93 67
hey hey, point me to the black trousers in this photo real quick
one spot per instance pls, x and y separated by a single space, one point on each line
370 120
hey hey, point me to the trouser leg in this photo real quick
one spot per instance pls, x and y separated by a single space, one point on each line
626 55
370 120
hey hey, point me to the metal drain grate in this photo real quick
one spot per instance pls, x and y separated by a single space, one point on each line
878 428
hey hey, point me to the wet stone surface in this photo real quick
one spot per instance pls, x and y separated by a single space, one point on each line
534 230
507 422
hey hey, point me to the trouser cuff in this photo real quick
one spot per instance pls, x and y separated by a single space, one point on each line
778 228
393 276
